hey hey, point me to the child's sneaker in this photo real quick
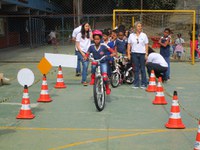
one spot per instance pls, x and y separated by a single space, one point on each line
85 84
143 87
135 87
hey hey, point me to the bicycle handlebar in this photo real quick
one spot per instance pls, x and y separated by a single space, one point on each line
118 58
98 60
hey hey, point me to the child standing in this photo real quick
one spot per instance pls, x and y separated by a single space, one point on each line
98 50
106 36
165 50
120 45
111 45
179 50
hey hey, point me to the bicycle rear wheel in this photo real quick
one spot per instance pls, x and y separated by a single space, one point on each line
115 79
99 94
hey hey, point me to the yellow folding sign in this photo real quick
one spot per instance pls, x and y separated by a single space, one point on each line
44 66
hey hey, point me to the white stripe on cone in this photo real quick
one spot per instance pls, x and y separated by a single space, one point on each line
44 83
175 115
175 103
59 79
197 145
159 94
25 95
152 83
44 92
25 107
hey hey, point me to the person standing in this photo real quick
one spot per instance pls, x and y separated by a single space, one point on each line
74 35
165 50
137 50
53 40
83 42
179 50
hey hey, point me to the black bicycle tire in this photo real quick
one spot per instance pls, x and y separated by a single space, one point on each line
96 101
126 79
112 82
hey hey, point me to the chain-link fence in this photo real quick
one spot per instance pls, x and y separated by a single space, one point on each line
29 22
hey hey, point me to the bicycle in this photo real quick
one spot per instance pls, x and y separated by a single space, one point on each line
99 87
123 72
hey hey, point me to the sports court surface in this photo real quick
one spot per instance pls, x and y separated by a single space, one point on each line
129 120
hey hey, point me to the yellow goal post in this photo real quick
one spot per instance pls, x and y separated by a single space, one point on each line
180 21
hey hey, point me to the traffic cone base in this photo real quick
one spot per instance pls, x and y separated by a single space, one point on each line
175 124
25 115
44 98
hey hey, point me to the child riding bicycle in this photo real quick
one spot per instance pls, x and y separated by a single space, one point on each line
99 50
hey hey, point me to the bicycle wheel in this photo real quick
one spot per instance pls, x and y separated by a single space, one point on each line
130 77
115 79
99 94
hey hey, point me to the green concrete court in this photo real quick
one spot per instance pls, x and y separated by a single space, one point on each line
129 120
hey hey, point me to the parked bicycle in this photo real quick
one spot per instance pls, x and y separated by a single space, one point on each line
123 72
99 87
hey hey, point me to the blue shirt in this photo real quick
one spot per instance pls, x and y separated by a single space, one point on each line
98 53
165 51
121 46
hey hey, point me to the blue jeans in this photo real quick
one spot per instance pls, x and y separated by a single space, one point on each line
167 74
85 64
138 60
78 68
103 68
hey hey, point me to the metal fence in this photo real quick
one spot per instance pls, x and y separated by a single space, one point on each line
30 27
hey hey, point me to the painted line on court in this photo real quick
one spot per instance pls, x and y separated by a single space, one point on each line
111 138
92 129
74 129
139 132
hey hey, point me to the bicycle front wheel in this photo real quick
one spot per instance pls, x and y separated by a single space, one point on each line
99 94
115 79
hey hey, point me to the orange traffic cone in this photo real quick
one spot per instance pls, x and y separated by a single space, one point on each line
152 83
197 143
160 97
175 121
25 111
44 95
60 83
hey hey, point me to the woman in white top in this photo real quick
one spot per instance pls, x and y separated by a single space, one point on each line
156 62
137 50
83 41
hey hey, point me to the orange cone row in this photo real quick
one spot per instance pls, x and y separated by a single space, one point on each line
25 111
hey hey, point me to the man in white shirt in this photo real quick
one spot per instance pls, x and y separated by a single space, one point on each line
74 35
157 63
